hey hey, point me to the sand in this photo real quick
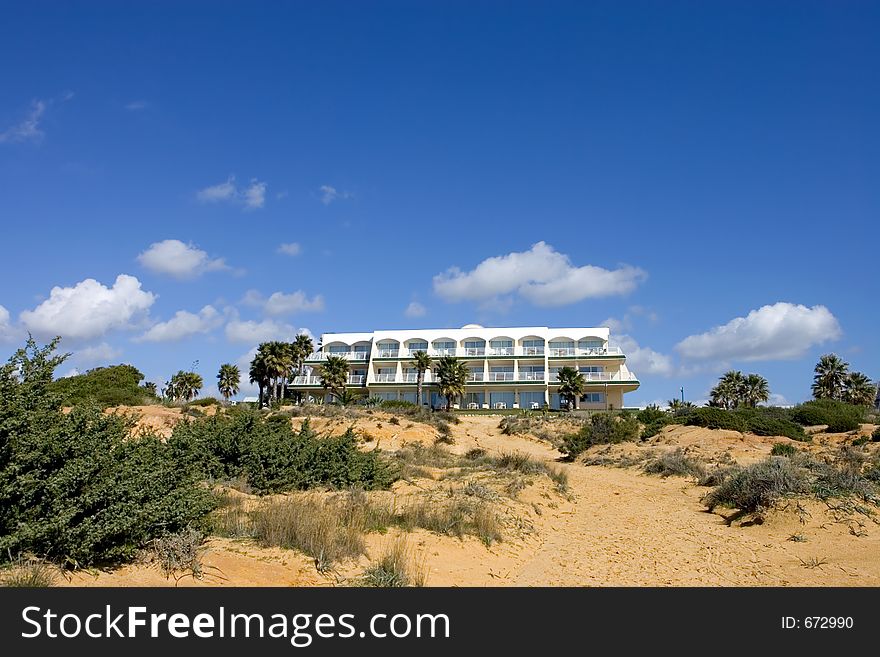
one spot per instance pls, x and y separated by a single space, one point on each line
616 527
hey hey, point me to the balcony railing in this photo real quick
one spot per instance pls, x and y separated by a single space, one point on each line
347 355
595 351
501 376
533 351
388 353
531 376
472 351
501 351
475 376
600 376
356 379
352 380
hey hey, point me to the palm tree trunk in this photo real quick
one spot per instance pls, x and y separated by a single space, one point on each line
419 389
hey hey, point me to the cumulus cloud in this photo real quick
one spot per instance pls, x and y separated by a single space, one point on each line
7 331
251 196
28 129
174 258
88 309
644 360
290 248
541 275
280 303
252 331
99 354
781 331
285 304
330 194
184 324
415 309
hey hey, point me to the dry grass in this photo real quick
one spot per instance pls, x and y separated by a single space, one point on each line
179 553
397 567
28 573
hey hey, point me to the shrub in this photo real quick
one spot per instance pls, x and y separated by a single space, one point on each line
783 449
604 428
760 485
715 418
179 552
204 401
116 385
675 463
651 414
762 422
73 487
272 457
839 417
875 437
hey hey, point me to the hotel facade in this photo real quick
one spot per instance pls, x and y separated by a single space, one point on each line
513 367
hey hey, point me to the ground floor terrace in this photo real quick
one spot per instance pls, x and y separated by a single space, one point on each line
595 397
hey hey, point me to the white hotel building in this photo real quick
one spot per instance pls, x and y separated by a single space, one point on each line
510 367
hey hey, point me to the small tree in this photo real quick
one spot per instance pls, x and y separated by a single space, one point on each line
830 377
422 363
185 386
452 376
228 380
334 375
571 385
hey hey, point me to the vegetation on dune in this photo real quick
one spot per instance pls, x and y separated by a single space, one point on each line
834 381
228 380
735 390
184 386
73 487
115 385
837 415
604 428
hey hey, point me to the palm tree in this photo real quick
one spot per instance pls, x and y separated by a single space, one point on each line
859 390
278 358
186 385
228 380
755 390
829 378
334 375
300 349
729 392
571 385
422 363
452 376
259 374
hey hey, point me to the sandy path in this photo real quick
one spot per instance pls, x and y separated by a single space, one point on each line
626 528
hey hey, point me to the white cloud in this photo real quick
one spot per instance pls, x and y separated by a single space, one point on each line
330 194
99 354
290 248
280 303
782 331
136 105
28 129
7 331
180 260
285 304
415 309
251 197
184 324
255 195
253 331
644 360
540 275
776 400
88 309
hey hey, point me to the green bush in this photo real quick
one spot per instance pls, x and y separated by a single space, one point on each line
715 418
763 422
604 428
676 463
116 385
875 437
839 417
759 486
74 488
783 449
272 457
204 401
652 414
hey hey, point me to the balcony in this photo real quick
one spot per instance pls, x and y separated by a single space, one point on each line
406 377
501 351
347 355
388 353
472 351
533 351
352 380
600 376
500 376
569 352
530 376
474 377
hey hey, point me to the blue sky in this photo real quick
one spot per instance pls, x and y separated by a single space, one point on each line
703 177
